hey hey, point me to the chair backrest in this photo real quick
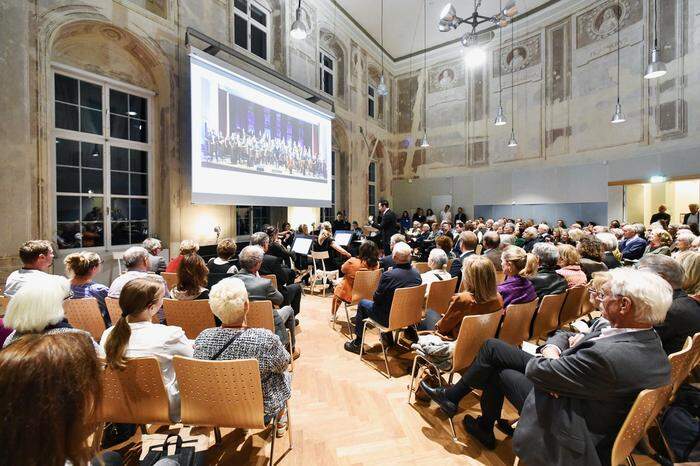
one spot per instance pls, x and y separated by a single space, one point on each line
422 267
547 318
644 410
440 293
682 362
85 314
260 315
113 309
192 316
135 395
479 248
500 276
272 278
473 332
4 302
406 307
516 323
170 279
365 284
571 308
232 392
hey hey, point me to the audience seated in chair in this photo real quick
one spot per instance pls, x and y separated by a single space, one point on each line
402 275
367 259
272 265
632 246
492 251
186 247
691 267
387 261
515 289
437 261
82 267
659 243
37 257
135 335
569 266
609 242
156 262
546 280
224 262
191 279
591 250
572 400
233 340
136 261
262 289
467 245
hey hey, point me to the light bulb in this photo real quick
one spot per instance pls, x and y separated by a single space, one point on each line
513 142
298 31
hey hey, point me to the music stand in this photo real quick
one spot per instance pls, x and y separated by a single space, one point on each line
302 244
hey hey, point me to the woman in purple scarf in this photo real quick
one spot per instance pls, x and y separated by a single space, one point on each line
515 289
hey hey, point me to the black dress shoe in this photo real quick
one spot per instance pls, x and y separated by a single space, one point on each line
411 334
504 426
387 339
439 397
352 347
474 428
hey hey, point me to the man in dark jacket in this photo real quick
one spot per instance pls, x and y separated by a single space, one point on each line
388 226
574 399
547 280
402 275
387 262
683 317
272 265
467 244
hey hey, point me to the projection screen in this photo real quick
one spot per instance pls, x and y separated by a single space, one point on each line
254 143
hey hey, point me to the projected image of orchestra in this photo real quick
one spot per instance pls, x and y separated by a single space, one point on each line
254 138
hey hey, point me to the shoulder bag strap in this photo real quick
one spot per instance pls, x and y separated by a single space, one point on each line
225 347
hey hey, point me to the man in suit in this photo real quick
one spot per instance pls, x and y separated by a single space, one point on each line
547 280
683 317
262 289
402 275
156 262
661 215
460 215
467 245
340 223
491 242
388 225
632 247
574 399
272 265
387 262
692 219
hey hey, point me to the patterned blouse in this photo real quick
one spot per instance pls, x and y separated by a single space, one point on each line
253 343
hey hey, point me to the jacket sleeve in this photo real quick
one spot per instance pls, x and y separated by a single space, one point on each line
380 293
560 339
273 295
451 318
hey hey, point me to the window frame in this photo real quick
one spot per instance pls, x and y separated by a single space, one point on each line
251 221
248 19
334 195
372 186
106 141
324 69
372 97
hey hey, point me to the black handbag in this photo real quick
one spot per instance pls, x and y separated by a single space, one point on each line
182 456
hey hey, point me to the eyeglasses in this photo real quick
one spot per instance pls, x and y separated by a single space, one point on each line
599 295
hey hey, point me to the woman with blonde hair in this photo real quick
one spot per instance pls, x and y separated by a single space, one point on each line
186 247
326 243
82 267
531 264
515 289
191 279
570 266
135 335
690 261
659 242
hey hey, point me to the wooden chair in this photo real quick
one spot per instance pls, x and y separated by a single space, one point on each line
473 332
366 282
170 279
85 314
192 316
422 267
516 323
320 273
233 398
571 308
406 309
683 361
448 267
135 395
272 278
440 294
643 412
4 302
260 315
547 318
113 309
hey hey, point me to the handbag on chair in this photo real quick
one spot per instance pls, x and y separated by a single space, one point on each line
182 456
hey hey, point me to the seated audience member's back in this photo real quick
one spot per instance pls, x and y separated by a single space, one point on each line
82 267
546 280
224 262
37 257
136 260
191 279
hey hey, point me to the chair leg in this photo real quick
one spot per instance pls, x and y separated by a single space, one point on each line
217 434
291 351
452 427
362 342
386 360
144 429
347 316
630 461
289 425
413 378
272 444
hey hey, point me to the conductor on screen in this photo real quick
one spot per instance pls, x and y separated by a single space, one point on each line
388 225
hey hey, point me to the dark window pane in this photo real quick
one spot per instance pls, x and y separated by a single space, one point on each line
328 62
120 208
328 83
138 107
92 181
258 42
66 89
139 209
139 161
67 208
258 15
120 233
139 232
92 208
372 172
242 221
67 152
90 121
120 183
66 117
91 155
119 159
240 32
370 108
90 95
68 236
138 130
67 180
119 127
139 185
118 102
93 234
370 91
241 5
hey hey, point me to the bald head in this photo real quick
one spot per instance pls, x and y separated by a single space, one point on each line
401 253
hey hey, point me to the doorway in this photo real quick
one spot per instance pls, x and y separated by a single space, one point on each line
637 202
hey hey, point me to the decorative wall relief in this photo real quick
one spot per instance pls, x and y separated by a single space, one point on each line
524 54
478 153
445 76
557 87
601 21
406 89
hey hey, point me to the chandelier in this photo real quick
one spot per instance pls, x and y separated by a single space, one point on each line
449 20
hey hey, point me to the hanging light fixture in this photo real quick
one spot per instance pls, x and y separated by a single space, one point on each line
656 67
424 142
382 90
500 119
299 30
512 142
618 116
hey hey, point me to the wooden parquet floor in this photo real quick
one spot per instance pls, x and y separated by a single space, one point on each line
344 412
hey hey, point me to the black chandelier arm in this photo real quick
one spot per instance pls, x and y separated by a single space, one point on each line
474 22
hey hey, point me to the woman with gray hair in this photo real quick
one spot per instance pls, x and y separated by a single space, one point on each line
437 261
228 300
530 237
609 242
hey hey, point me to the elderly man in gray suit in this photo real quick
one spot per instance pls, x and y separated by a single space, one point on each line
574 398
260 289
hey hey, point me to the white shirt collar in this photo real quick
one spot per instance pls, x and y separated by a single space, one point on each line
612 331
